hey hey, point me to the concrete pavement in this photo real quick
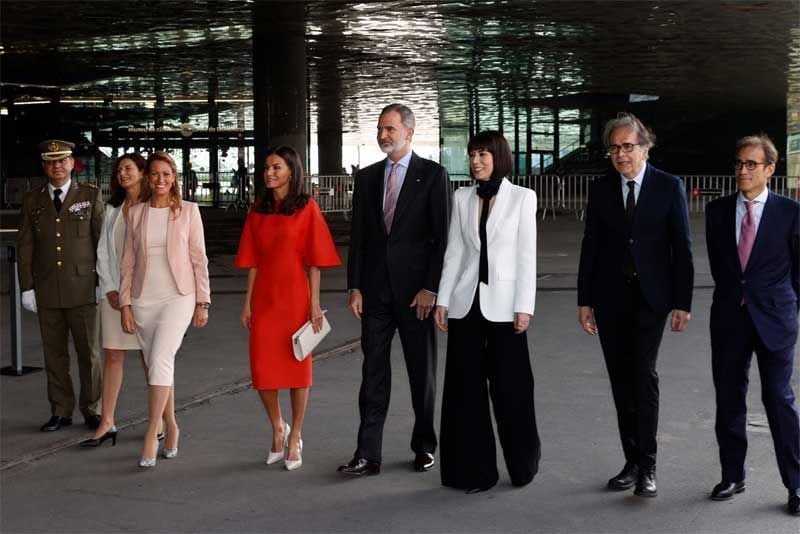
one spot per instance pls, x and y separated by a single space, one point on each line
219 482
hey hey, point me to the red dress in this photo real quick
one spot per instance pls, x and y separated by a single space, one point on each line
281 247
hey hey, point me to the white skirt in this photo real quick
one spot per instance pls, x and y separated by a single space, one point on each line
162 316
114 337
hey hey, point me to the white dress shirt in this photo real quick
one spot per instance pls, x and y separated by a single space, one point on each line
64 190
636 188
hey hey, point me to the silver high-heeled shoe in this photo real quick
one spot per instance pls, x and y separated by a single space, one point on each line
291 465
149 462
273 457
170 452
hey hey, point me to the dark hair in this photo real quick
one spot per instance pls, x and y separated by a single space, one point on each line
296 198
762 140
117 191
406 115
495 143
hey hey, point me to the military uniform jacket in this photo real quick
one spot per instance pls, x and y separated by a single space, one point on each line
57 252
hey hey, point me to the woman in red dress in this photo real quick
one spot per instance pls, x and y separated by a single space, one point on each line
284 243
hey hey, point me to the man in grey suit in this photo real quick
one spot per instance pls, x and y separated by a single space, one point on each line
58 235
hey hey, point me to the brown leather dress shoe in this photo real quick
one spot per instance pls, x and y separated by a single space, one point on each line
424 461
360 466
625 479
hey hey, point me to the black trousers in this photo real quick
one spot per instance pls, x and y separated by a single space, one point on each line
630 336
731 353
486 359
381 318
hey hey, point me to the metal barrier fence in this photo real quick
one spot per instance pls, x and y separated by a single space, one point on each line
557 195
15 188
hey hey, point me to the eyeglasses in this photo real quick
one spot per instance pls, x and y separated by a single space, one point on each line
626 147
750 165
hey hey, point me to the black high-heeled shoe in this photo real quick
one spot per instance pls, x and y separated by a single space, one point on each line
96 442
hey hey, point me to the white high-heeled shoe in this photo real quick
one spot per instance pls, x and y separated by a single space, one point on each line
170 452
291 465
149 462
273 457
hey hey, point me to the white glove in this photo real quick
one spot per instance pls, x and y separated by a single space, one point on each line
29 300
98 295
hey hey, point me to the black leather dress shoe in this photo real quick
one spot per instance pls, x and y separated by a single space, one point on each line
424 461
55 423
360 466
625 479
646 483
726 490
92 421
793 506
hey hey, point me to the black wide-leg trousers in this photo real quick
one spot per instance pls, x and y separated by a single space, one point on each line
487 359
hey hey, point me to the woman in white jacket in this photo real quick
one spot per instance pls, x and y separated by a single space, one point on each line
126 188
486 299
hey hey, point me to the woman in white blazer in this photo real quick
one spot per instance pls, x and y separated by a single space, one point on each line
486 300
126 191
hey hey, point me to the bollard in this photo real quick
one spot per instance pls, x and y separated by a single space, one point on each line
15 315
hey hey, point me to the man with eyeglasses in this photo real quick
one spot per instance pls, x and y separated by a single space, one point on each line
635 270
57 243
753 239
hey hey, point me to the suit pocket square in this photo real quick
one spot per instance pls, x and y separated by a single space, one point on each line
305 339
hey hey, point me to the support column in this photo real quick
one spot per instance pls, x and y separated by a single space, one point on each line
329 134
213 140
279 80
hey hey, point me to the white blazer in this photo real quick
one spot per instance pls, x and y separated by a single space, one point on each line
511 250
107 264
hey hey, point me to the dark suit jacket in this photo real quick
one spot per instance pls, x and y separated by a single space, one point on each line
58 251
410 257
659 240
770 284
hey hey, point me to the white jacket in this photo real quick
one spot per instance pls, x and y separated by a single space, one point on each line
107 264
511 250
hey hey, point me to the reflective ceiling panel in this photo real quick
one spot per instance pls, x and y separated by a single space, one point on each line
695 56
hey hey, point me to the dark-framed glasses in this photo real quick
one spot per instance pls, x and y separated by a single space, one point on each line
749 164
626 147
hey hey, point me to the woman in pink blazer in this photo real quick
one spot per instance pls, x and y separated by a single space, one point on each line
164 286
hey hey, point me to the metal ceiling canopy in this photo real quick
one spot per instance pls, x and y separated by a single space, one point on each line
693 55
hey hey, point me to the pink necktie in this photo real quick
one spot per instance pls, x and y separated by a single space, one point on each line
391 197
747 234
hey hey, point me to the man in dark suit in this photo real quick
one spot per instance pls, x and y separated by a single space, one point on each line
753 239
401 210
58 235
635 266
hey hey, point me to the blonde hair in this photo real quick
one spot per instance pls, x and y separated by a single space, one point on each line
174 191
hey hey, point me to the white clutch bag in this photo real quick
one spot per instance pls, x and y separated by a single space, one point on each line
305 340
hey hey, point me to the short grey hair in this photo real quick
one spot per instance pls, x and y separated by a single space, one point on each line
406 115
762 140
629 121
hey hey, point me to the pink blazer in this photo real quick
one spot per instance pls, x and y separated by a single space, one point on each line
186 253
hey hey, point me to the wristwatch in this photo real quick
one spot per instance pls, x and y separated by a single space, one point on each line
204 305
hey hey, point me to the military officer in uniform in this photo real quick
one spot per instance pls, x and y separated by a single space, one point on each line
58 234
